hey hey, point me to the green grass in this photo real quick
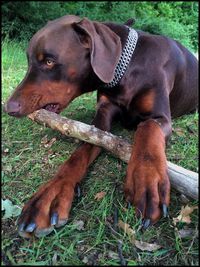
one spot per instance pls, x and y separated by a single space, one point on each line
26 164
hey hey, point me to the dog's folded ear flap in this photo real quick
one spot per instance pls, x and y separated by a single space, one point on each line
130 22
104 44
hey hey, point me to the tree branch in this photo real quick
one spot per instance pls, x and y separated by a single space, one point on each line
181 179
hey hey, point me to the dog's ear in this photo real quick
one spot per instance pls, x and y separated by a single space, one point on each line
130 22
104 44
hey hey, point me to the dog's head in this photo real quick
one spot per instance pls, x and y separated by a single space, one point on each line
62 56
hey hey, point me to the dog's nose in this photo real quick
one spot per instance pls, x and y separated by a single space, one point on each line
12 107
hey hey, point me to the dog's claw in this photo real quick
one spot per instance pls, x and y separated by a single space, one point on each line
31 227
78 190
165 210
21 227
54 218
146 223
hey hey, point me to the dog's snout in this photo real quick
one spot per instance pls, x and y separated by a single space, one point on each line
12 107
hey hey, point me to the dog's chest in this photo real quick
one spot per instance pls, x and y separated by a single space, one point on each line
134 107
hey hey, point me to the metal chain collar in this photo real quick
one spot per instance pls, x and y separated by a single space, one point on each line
124 58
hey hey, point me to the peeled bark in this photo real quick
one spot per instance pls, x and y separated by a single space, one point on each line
181 179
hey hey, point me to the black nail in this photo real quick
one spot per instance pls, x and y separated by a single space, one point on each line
54 218
121 257
115 219
21 227
30 227
78 190
129 205
146 223
165 210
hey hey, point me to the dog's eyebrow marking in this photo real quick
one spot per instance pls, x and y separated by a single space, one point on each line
49 54
40 57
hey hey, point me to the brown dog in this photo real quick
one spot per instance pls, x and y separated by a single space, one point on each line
156 80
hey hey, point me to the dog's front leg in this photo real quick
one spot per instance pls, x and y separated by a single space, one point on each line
147 184
49 207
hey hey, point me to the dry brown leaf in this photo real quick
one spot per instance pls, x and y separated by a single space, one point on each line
179 131
50 143
127 230
44 140
47 143
144 246
184 214
99 195
124 209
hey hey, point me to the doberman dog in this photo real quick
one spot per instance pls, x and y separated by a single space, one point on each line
142 80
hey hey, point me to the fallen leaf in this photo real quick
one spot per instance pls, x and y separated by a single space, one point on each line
85 260
144 246
6 150
79 224
180 132
184 214
183 233
80 107
44 140
55 258
50 152
113 255
45 159
127 230
124 209
99 195
50 143
10 209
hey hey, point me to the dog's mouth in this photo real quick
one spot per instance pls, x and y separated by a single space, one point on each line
53 107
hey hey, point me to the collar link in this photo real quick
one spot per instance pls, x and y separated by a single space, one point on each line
124 59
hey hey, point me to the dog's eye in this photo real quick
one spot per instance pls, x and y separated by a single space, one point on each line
49 62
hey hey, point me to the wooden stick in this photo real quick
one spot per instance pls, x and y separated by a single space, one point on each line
183 180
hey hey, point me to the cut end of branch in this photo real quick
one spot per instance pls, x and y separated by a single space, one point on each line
33 115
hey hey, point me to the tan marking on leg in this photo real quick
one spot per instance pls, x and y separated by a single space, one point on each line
145 102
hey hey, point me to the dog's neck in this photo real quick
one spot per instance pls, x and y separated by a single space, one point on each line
129 41
125 58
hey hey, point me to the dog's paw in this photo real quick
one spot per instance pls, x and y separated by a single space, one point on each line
149 192
48 208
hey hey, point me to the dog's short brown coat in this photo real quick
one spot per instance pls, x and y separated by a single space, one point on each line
71 56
